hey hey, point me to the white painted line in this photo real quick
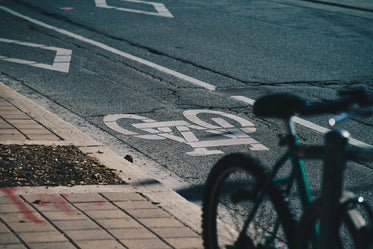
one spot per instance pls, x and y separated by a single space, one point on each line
161 69
113 50
61 62
159 7
307 124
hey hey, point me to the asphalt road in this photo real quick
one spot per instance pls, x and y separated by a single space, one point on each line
111 67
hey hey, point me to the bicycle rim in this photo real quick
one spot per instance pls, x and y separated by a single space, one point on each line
230 197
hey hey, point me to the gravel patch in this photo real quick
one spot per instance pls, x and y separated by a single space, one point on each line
40 165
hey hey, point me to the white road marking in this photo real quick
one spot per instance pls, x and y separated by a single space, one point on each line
161 69
61 62
159 7
113 50
307 124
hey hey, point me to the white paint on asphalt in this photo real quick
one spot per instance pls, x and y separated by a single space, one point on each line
61 61
161 69
307 124
161 10
112 50
224 132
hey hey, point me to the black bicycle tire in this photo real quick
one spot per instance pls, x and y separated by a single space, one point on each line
310 216
260 172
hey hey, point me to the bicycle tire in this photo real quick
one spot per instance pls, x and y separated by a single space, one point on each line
217 230
359 233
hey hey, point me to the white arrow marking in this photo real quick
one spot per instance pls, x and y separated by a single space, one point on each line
61 62
159 7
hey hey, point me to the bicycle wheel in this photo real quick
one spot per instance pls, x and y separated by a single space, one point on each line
231 194
354 230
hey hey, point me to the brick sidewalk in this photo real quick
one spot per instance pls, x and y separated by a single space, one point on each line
89 220
80 220
16 125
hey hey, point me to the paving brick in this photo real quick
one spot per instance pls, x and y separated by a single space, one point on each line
118 196
12 137
49 202
97 234
107 214
44 198
3 228
36 131
145 244
119 223
52 245
135 204
8 238
7 198
75 224
174 232
185 243
14 115
84 197
12 208
93 244
69 215
48 137
160 222
132 233
89 206
31 227
9 132
31 124
13 246
37 237
21 217
21 121
148 213
4 124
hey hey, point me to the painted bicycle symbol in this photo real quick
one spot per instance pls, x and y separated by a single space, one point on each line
224 132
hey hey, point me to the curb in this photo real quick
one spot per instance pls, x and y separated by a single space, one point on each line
137 181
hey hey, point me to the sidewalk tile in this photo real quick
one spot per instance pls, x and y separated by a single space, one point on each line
93 244
119 223
37 237
97 234
3 228
8 132
185 243
160 222
75 224
12 137
134 205
8 238
52 245
13 246
36 131
4 124
84 197
89 206
145 244
48 137
118 196
69 215
107 214
174 232
14 115
31 227
22 217
132 233
148 213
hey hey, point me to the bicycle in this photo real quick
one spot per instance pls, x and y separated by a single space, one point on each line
246 204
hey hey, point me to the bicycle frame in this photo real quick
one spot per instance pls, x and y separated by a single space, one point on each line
297 176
